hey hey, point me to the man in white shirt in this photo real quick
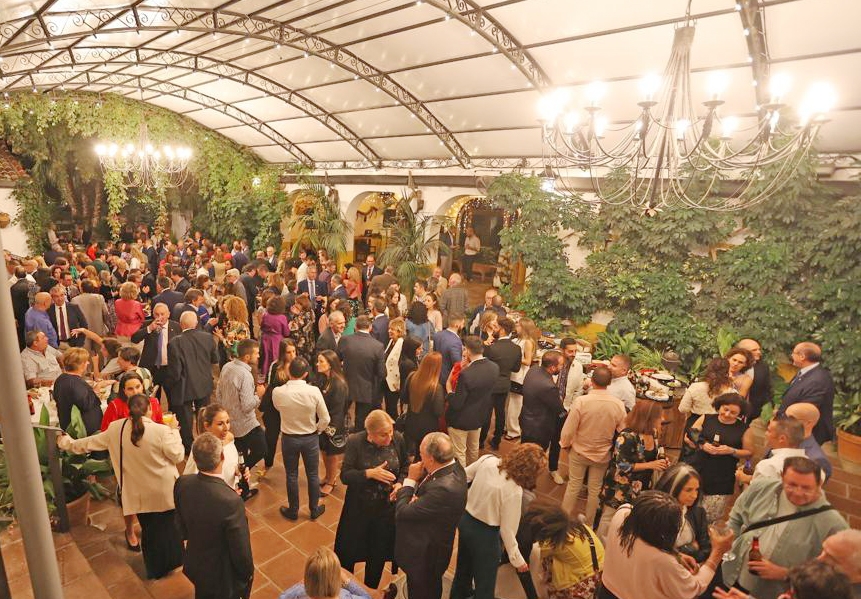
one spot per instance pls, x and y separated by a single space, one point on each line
303 417
471 247
41 362
784 436
620 386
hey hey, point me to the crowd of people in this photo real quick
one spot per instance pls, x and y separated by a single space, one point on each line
212 355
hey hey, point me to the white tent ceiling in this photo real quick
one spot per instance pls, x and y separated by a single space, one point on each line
392 81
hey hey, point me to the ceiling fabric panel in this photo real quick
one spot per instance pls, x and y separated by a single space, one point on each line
397 80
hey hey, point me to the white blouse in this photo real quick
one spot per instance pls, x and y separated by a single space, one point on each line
496 500
228 468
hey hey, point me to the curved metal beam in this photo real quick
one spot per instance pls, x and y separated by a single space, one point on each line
473 16
251 27
751 20
195 63
165 87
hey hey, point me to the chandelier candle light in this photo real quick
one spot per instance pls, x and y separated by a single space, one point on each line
670 154
143 165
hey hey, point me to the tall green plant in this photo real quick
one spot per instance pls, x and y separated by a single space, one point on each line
323 224
412 243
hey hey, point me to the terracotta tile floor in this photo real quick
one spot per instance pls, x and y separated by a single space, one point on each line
279 546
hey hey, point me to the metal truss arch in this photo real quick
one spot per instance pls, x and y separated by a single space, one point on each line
93 22
471 14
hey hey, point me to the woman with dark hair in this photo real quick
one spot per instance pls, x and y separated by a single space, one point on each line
739 360
144 455
434 315
277 375
419 326
302 327
634 461
571 555
410 354
274 327
682 482
332 383
215 419
423 395
720 442
493 509
699 397
640 561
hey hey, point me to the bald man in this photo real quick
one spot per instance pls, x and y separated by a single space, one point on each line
36 318
760 391
843 551
808 415
812 384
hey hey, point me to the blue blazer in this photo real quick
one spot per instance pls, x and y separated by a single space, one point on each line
816 387
380 329
451 348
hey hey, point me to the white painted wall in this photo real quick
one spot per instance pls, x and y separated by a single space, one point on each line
14 237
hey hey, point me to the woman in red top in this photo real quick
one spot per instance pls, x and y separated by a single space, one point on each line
131 384
130 314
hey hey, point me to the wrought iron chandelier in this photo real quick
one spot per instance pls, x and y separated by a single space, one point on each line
143 165
671 155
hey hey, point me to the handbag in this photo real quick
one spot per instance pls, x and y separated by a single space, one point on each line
401 422
338 440
119 492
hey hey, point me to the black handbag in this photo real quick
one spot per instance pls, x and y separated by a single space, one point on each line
338 440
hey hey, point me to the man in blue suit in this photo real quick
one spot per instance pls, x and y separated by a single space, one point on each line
317 291
812 384
448 343
380 324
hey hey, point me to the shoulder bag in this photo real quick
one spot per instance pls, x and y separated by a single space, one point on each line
787 518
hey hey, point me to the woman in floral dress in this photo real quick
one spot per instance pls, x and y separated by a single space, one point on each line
636 456
302 327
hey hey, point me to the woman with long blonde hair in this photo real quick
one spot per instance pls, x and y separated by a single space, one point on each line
424 398
527 338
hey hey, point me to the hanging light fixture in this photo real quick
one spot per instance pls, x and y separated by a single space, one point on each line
674 154
143 165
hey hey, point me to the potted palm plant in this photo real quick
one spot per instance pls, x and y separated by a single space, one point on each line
317 219
412 243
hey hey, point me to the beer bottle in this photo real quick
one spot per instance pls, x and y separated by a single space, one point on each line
754 555
246 491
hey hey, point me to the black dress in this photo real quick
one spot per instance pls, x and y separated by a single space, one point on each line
718 471
419 424
335 394
71 390
366 531
271 416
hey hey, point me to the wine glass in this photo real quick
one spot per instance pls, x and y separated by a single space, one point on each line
721 528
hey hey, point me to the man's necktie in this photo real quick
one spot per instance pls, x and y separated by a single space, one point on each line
159 357
64 334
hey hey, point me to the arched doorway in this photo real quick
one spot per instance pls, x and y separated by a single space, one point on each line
488 221
371 225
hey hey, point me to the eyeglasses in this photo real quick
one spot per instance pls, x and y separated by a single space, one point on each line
806 491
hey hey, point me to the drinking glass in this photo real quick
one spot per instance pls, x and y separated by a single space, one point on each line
722 529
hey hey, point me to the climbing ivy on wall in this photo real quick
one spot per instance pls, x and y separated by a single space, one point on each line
230 189
673 279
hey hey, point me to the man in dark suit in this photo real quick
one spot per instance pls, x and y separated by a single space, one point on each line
369 271
380 323
506 354
330 338
20 291
316 290
381 283
65 318
365 369
338 291
189 373
211 518
448 343
812 384
249 284
166 294
760 391
470 405
156 334
428 508
542 403
180 283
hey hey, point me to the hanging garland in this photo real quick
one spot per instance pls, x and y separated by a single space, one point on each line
231 188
